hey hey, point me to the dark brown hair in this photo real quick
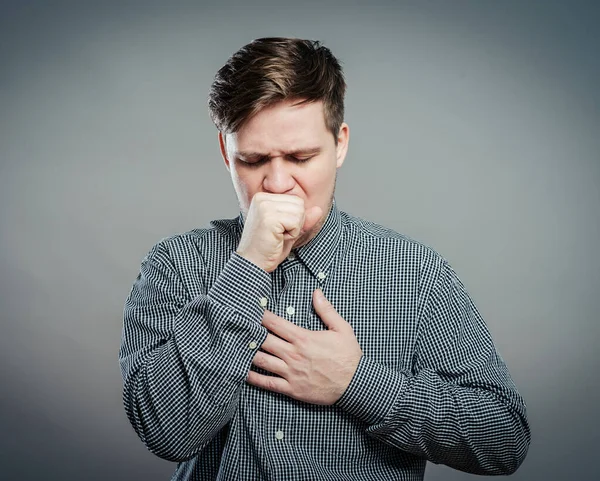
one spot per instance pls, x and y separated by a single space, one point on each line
269 70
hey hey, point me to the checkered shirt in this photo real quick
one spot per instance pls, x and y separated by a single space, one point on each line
429 386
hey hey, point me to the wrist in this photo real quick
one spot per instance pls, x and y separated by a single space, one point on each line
242 285
253 259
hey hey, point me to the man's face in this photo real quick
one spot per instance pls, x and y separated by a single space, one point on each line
286 149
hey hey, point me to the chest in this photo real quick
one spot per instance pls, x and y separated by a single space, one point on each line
381 304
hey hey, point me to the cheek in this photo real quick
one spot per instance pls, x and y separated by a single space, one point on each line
245 183
320 180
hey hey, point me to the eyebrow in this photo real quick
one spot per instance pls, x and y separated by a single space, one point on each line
296 152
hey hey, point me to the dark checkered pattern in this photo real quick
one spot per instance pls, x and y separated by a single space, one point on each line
430 385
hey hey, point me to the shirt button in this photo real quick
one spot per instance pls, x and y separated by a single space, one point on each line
321 275
264 302
291 256
252 345
290 310
279 435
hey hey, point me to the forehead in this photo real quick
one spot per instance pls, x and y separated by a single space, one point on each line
283 126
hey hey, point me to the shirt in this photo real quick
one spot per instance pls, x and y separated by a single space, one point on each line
429 386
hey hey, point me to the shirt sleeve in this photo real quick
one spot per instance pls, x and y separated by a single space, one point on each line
184 360
459 405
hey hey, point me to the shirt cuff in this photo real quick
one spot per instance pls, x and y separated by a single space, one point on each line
242 286
373 391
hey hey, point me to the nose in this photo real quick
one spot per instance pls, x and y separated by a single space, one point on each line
278 177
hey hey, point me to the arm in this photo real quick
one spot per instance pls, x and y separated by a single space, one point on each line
185 360
460 406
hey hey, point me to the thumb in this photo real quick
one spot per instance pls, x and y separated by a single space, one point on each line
311 217
326 311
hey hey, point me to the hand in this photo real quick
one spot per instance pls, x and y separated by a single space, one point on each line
274 223
314 366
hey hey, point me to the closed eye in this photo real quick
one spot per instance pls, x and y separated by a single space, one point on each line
262 160
299 160
254 163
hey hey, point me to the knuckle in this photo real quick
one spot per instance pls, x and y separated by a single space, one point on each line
271 384
259 360
302 338
296 355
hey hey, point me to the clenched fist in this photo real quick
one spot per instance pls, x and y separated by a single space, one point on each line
275 222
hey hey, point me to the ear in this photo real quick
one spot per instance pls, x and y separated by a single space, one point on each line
223 148
342 144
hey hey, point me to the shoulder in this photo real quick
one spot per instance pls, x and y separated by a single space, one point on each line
415 259
219 236
374 234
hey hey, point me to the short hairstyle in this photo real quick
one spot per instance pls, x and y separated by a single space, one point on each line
269 70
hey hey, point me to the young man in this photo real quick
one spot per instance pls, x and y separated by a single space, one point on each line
297 342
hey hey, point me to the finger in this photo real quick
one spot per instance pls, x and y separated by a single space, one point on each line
327 312
311 218
281 327
279 198
276 346
280 203
288 204
270 383
270 363
266 197
288 224
292 224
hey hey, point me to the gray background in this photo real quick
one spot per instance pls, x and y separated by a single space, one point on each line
474 128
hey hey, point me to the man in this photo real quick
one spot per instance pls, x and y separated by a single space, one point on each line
298 342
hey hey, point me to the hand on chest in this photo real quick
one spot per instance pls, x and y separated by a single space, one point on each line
382 313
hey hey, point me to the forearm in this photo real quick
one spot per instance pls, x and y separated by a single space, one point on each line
183 393
182 379
477 430
468 428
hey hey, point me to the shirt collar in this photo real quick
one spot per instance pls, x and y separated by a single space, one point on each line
317 254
